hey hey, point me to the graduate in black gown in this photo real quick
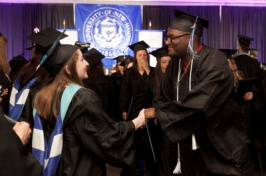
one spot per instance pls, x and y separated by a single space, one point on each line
195 107
43 41
136 94
165 150
97 80
16 160
248 65
90 137
253 102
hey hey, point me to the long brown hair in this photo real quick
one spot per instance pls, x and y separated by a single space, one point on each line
4 65
158 77
28 71
47 101
238 75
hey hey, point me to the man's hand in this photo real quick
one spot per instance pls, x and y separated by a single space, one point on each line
124 115
23 131
150 113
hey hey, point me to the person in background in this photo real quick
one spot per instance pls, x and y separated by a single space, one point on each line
165 151
16 63
5 82
136 94
65 108
127 62
195 107
163 60
249 66
116 79
31 77
97 80
253 102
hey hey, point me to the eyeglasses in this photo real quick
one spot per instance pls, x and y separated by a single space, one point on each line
166 39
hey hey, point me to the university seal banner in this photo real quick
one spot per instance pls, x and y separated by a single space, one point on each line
108 28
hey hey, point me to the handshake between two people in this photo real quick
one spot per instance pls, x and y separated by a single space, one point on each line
144 114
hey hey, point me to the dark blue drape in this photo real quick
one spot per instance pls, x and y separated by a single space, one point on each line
17 21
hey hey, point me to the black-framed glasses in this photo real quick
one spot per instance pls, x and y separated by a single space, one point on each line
166 39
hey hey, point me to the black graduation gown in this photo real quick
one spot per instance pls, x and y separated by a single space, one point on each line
6 83
136 92
15 159
116 79
103 88
91 138
208 112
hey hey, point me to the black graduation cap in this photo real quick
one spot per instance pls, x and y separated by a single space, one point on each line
61 54
160 52
93 56
127 60
139 46
229 52
46 37
119 58
244 41
30 48
185 22
82 46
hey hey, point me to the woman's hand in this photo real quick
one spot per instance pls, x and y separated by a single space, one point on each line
145 66
248 96
139 121
5 91
23 131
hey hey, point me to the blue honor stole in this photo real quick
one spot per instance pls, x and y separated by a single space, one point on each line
18 98
48 153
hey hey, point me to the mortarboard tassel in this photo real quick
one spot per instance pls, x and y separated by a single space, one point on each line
177 169
194 143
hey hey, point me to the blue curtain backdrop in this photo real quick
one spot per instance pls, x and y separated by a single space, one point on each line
108 28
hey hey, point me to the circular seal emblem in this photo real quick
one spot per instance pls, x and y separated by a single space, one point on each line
109 31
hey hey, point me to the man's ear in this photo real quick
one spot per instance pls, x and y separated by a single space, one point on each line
67 70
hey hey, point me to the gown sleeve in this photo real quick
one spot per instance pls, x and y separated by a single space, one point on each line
212 83
99 134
